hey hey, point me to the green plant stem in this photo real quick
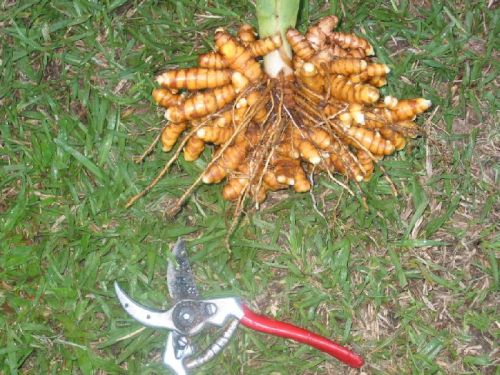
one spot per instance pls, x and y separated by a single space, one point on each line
275 16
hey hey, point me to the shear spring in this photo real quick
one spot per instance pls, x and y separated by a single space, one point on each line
215 348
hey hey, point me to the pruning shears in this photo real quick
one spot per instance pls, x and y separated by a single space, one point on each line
190 315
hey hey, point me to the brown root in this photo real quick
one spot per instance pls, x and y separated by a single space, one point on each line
275 133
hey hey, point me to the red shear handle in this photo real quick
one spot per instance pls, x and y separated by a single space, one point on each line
274 327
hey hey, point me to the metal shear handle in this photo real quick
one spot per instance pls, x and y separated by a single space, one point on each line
274 327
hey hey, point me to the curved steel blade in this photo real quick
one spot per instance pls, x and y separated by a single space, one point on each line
144 315
180 278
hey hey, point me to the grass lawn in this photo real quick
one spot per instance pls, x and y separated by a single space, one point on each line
412 283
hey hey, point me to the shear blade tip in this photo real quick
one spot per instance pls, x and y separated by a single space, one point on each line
179 247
